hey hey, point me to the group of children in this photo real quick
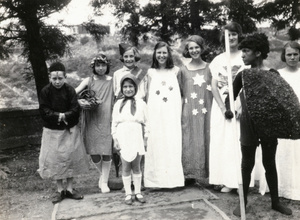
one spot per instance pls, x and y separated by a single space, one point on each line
176 117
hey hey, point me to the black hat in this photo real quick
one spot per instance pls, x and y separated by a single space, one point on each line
123 47
57 66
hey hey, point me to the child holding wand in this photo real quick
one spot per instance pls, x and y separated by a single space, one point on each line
130 133
255 49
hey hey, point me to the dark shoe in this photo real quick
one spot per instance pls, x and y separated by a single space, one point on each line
73 195
128 200
140 198
282 209
58 197
218 187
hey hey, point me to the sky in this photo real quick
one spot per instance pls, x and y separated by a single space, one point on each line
79 11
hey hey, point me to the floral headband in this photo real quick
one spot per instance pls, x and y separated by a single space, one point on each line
99 59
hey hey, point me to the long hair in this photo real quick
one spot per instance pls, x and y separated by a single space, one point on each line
169 63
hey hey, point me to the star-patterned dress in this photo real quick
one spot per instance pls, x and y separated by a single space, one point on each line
197 99
163 167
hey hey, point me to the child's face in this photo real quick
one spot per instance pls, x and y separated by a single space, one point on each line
57 78
194 50
100 68
233 39
291 56
128 89
249 56
162 55
129 59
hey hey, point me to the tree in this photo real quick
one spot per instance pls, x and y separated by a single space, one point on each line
96 30
21 23
242 12
282 13
131 28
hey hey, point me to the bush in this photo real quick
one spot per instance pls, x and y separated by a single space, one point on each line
84 40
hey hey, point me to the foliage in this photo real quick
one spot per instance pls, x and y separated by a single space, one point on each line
22 25
294 33
96 30
84 40
242 12
282 13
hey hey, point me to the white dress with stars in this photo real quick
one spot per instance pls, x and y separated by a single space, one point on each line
195 87
163 167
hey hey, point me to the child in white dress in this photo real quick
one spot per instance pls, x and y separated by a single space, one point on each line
130 134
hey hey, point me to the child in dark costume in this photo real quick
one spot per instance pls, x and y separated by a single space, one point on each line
255 49
62 153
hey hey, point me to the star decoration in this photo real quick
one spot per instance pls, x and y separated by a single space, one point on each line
193 95
208 87
204 110
201 101
185 100
163 83
157 92
198 80
165 99
170 88
195 111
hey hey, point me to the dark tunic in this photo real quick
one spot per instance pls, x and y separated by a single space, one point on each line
54 101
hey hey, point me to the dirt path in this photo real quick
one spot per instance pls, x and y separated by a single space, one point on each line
24 195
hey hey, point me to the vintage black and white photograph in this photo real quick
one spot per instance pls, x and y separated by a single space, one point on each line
149 109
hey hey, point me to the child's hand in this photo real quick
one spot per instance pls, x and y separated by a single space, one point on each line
117 146
84 104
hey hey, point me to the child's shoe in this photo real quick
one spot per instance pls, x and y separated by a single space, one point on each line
73 195
226 189
139 197
128 200
58 197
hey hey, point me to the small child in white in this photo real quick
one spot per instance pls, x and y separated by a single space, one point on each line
130 134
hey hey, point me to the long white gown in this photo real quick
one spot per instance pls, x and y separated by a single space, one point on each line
288 152
223 166
163 166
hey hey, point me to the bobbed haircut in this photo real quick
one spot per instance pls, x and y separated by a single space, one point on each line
169 63
196 39
291 44
256 42
136 53
100 58
233 27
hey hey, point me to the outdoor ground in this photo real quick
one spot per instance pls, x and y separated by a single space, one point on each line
24 195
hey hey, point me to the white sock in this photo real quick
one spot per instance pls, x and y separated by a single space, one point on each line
127 184
137 181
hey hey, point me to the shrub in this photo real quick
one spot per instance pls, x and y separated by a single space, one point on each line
84 40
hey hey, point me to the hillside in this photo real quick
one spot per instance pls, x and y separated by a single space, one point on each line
17 92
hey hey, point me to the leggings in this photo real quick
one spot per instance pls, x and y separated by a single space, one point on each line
269 147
